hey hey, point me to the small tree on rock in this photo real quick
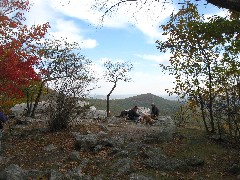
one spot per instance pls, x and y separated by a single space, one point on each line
114 73
69 74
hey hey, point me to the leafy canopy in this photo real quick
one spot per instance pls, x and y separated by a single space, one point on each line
18 44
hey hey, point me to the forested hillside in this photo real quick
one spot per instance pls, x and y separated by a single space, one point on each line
166 107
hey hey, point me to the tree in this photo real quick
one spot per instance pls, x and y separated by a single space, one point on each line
107 7
227 4
71 77
114 73
203 59
17 48
31 92
64 69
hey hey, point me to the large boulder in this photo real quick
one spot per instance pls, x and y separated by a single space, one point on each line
19 109
15 172
156 159
96 114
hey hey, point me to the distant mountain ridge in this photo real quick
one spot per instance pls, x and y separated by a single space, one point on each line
124 96
166 107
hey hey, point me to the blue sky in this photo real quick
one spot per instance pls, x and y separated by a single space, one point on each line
120 37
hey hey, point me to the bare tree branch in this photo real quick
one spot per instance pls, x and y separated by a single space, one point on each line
103 6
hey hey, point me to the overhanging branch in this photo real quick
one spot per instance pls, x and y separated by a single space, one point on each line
228 4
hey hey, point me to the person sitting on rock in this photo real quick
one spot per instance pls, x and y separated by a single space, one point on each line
133 114
154 111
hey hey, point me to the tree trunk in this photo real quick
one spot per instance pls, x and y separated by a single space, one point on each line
210 100
229 113
28 104
203 115
108 110
37 99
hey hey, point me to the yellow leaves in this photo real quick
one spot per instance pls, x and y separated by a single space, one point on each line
180 27
7 102
42 178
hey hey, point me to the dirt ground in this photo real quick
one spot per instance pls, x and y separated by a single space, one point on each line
25 145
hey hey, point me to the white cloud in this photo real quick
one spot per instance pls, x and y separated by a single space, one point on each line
40 12
82 9
151 57
69 30
98 70
221 13
139 85
44 11
142 82
162 58
146 17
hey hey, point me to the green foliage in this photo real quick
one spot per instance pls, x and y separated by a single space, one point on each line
205 63
114 73
60 114
68 73
117 71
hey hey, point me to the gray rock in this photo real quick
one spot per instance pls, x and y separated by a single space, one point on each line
74 156
123 166
194 161
50 147
104 128
76 174
34 174
158 137
120 154
97 148
135 176
12 172
86 142
102 134
135 148
234 169
55 175
117 141
3 175
114 151
157 160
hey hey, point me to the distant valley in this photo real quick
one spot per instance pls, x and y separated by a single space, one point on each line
123 96
119 103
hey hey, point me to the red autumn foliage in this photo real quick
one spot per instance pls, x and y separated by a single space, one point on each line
18 44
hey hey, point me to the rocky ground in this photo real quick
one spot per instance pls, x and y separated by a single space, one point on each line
113 149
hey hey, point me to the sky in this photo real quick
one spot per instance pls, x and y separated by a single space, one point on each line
126 35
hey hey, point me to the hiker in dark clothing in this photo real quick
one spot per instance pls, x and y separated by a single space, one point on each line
133 114
3 119
123 114
154 111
